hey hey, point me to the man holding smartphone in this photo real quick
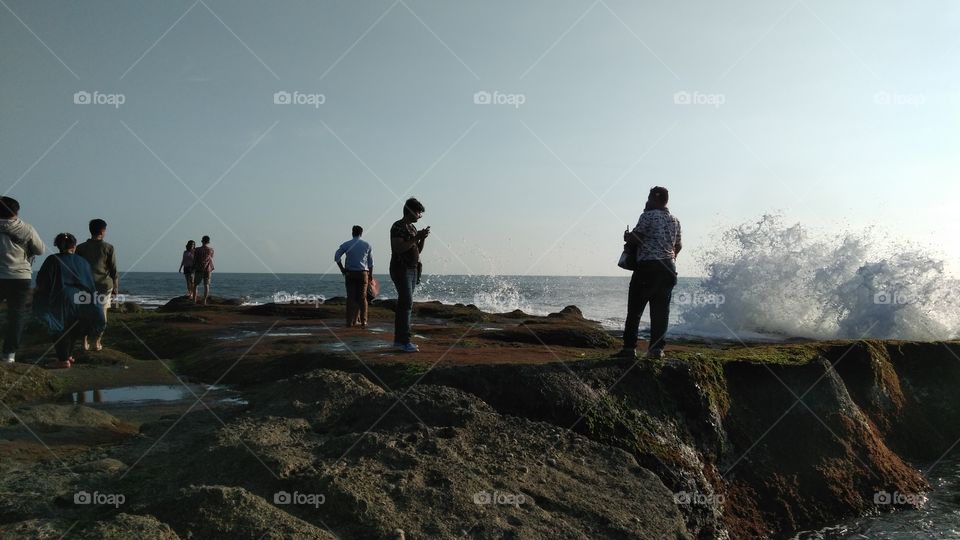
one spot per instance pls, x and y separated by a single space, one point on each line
406 243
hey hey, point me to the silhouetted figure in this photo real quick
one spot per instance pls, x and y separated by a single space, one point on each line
66 298
406 244
186 266
103 262
657 236
203 267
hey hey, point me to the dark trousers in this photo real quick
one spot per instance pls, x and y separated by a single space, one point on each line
357 297
15 292
652 283
405 280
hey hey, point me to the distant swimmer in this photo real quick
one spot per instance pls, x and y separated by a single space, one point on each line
656 243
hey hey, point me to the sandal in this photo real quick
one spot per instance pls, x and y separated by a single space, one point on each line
60 365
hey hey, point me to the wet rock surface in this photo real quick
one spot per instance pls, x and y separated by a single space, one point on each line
484 434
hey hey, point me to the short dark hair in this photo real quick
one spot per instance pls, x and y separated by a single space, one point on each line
413 207
65 241
357 230
659 194
190 244
205 239
9 207
97 226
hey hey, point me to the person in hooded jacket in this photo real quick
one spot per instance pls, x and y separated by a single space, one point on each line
19 245
66 300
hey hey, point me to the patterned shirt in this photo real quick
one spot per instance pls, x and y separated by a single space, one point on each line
203 259
405 232
659 233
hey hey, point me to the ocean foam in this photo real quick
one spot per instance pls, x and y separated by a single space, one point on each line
779 279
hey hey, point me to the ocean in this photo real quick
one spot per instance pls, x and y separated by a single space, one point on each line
750 298
602 299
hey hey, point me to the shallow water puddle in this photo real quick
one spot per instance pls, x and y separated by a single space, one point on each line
165 393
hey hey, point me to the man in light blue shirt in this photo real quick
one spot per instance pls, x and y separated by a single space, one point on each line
358 271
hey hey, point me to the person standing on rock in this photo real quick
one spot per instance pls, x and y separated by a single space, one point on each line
357 272
406 244
64 300
186 266
203 267
657 236
19 244
103 261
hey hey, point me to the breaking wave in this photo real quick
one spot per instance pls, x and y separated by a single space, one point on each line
781 279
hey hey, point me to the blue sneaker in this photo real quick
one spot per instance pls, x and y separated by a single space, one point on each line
409 347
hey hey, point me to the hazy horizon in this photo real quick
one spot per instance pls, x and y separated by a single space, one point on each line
531 132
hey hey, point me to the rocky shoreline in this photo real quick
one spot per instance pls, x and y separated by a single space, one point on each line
504 426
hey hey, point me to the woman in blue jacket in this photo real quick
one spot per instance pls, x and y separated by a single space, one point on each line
66 298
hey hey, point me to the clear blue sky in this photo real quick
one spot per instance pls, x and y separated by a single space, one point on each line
835 114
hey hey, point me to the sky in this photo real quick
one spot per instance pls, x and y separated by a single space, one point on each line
530 130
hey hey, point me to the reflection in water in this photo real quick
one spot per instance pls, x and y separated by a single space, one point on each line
81 397
154 393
